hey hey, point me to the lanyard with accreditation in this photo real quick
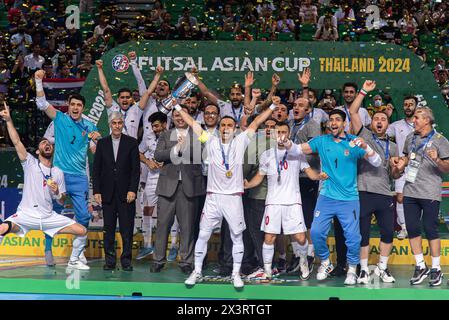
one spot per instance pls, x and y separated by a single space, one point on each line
413 165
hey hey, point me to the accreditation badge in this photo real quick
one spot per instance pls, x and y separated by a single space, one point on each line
412 171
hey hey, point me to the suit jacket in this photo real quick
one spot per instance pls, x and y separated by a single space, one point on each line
115 178
189 164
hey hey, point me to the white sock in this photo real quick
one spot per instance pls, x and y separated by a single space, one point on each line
201 249
302 249
147 230
267 254
352 268
436 263
383 262
77 247
310 250
420 260
237 252
400 213
295 248
364 264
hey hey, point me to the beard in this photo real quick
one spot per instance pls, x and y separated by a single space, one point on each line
46 155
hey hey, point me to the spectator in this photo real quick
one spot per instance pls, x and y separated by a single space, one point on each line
389 32
327 14
84 68
308 13
266 5
157 12
267 24
345 15
167 30
34 60
284 24
328 102
229 21
415 47
327 32
20 41
5 75
64 72
407 23
186 19
49 71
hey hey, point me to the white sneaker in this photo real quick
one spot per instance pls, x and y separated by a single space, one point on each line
237 281
259 274
82 258
402 234
384 275
364 277
78 265
324 270
304 268
351 278
193 278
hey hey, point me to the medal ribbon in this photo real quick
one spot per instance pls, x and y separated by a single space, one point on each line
225 157
387 146
416 149
280 165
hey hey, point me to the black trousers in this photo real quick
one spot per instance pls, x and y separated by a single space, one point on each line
254 212
125 212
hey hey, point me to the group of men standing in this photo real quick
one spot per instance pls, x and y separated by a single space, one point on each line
212 169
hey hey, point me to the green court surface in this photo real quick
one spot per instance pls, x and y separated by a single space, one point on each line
39 279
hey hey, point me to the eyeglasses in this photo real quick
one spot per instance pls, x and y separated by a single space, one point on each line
211 114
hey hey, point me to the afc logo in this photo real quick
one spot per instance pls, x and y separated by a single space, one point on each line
120 63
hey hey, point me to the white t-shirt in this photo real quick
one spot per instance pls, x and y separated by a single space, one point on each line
286 191
363 114
31 62
148 147
226 109
131 118
400 130
37 198
217 181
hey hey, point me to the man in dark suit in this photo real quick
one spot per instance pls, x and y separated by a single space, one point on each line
180 184
115 180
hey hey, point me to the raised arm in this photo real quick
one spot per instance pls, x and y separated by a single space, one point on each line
137 74
205 91
304 79
196 127
104 84
147 94
275 79
261 118
41 102
13 135
356 121
249 81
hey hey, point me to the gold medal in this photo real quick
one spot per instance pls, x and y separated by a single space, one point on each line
50 182
352 143
412 156
229 174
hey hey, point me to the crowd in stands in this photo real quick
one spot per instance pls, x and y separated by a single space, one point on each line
36 36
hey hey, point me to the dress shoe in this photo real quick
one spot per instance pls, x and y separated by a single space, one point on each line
156 267
186 269
127 268
108 267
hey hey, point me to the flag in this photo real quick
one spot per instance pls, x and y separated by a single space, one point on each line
57 90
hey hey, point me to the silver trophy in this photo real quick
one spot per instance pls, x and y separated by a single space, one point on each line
180 91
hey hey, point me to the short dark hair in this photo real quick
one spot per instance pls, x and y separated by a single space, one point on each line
339 112
212 104
158 116
228 117
351 84
411 97
282 123
382 112
168 83
125 90
77 96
